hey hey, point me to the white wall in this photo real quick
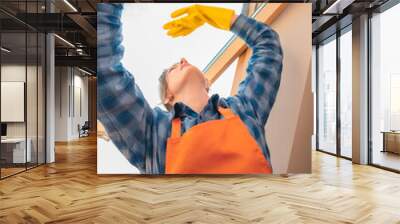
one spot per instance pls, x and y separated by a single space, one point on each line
12 73
67 115
12 100
61 103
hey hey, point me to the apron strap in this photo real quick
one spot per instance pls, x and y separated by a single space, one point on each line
226 112
176 128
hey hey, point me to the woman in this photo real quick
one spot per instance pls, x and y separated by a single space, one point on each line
198 133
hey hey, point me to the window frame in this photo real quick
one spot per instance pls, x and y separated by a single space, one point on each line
334 37
379 10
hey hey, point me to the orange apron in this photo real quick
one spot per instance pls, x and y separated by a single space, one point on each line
214 147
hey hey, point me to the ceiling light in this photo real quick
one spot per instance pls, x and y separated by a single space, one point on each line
84 71
70 5
338 6
5 50
80 51
65 41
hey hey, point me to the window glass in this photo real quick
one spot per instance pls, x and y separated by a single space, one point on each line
314 90
31 97
346 94
22 89
385 89
223 84
15 149
327 97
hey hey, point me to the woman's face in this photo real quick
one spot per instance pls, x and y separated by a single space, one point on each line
181 74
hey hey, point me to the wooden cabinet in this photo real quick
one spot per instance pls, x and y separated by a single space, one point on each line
391 142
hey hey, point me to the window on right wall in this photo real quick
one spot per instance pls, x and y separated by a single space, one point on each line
385 89
327 96
346 92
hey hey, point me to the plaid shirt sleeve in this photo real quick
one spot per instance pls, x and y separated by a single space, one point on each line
122 108
260 87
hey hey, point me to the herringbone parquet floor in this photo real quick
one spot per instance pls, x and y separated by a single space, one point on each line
70 191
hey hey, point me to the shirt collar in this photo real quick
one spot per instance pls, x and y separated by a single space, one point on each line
182 110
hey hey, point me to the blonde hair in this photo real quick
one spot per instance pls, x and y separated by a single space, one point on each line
163 86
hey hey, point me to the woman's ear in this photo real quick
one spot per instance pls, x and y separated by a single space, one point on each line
168 98
207 84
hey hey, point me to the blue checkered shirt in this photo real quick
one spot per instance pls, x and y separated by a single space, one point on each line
141 132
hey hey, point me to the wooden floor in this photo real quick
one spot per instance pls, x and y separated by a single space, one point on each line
70 191
10 171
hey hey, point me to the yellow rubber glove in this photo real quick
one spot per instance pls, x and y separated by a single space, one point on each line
196 16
